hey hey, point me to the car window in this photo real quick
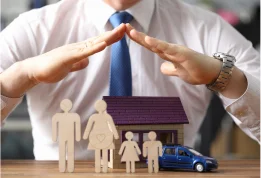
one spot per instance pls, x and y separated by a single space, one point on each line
170 151
182 153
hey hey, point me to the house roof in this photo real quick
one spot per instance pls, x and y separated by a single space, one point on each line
145 110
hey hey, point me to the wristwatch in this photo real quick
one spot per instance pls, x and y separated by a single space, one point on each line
225 73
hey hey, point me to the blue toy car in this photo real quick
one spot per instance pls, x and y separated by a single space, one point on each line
183 157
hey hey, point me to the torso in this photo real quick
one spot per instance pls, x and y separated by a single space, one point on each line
87 86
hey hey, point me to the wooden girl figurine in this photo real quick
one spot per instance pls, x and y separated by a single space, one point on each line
101 130
131 152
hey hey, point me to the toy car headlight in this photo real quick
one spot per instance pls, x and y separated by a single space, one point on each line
208 161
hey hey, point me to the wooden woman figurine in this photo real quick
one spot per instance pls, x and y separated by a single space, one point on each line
131 152
101 130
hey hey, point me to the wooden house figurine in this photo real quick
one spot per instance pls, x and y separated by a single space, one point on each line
140 115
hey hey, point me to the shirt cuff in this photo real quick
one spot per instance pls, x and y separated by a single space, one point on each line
246 108
7 105
227 101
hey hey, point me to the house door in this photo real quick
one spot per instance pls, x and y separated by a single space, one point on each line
167 137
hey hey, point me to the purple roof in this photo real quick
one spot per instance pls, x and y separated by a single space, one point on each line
145 110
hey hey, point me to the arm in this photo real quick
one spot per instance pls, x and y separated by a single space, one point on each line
15 46
7 105
88 128
137 147
54 129
241 97
244 108
114 130
122 148
78 128
144 149
22 68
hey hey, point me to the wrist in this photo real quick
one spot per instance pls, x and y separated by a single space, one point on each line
237 85
225 73
15 81
216 66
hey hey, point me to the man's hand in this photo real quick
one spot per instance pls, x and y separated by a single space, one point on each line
191 66
54 65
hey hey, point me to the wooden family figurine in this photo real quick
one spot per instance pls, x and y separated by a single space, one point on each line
68 124
131 151
152 149
101 130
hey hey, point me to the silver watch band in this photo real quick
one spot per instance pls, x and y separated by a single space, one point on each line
225 73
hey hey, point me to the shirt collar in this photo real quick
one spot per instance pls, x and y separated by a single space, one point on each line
99 12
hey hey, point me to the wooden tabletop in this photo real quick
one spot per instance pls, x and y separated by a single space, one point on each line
49 169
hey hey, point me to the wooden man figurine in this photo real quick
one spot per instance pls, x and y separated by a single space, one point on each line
152 149
100 130
131 152
68 124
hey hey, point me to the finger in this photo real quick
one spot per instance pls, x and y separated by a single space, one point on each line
169 68
111 36
168 57
138 37
81 52
88 51
162 46
80 65
164 56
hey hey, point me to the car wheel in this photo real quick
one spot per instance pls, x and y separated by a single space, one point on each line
199 167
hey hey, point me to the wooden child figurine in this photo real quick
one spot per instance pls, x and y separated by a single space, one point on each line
68 124
101 130
152 149
131 152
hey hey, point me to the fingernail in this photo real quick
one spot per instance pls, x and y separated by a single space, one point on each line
130 26
118 27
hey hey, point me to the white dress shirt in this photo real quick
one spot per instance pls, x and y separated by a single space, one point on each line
68 21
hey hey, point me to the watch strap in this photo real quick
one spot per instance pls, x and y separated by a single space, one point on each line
225 74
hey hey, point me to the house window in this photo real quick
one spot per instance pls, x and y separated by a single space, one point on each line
145 137
136 137
165 136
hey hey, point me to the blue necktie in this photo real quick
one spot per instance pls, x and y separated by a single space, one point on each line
120 72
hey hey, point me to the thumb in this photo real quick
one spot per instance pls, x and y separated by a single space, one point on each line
169 68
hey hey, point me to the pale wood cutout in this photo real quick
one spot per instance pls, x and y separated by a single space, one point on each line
152 149
130 150
68 124
100 130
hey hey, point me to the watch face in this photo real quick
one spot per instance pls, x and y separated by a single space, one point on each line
220 56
